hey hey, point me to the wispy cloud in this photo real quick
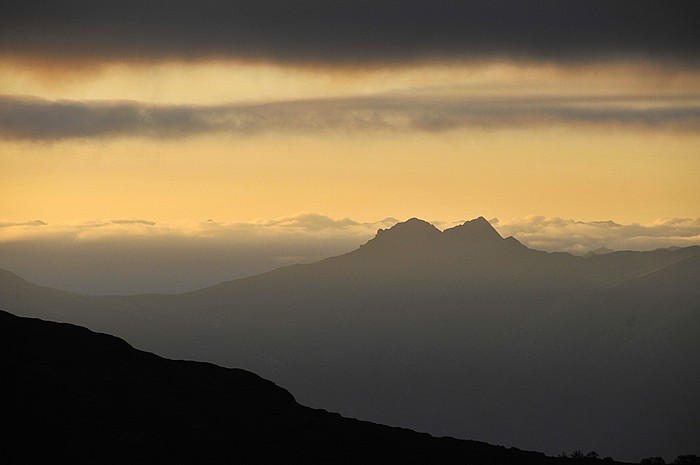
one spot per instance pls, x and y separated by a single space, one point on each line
22 224
303 224
37 119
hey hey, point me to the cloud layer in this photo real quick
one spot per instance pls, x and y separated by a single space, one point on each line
340 32
132 255
39 119
579 237
126 256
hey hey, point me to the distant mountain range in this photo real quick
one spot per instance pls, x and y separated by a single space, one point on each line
459 332
598 251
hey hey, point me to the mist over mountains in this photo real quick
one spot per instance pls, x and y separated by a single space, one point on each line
133 256
459 332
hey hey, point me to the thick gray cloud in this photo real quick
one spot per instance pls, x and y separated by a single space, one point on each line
36 119
357 31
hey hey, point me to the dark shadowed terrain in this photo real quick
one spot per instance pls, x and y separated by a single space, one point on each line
80 397
458 332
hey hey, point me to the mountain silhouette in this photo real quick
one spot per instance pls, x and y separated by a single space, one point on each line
478 231
412 230
80 397
598 251
417 233
460 332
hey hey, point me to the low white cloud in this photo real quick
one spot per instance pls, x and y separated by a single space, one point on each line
578 237
133 255
126 255
537 232
300 224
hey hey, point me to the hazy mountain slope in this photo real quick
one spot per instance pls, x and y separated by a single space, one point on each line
140 323
458 332
83 397
607 368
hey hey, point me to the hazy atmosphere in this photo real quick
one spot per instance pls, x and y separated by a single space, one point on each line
469 166
123 256
254 130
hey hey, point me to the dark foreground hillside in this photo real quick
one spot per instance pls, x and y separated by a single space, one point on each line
81 397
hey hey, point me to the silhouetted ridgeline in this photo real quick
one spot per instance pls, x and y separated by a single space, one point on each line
460 333
80 397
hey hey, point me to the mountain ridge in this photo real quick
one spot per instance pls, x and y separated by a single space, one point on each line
124 405
414 230
427 333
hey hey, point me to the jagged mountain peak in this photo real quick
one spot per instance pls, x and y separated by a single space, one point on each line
412 234
477 229
411 229
414 224
421 235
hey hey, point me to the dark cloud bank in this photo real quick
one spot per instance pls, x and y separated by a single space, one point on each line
37 119
350 32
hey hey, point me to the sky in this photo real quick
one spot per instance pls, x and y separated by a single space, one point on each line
143 121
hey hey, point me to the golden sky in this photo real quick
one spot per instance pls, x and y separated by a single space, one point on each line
278 124
163 146
542 164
